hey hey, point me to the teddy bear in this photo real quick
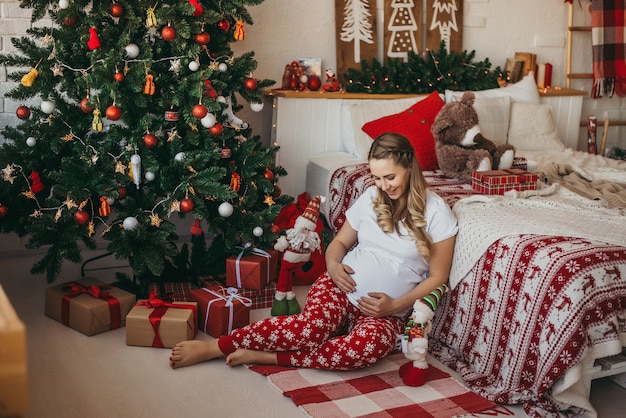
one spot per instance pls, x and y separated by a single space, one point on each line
297 245
460 147
415 339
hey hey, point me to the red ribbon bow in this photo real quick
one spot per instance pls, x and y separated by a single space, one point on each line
160 307
76 289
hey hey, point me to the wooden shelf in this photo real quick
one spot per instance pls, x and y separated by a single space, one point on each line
307 94
560 91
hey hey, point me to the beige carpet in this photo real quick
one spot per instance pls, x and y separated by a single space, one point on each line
72 375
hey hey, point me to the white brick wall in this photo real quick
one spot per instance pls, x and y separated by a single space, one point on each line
14 21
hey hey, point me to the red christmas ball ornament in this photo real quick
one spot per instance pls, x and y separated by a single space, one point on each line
216 129
226 153
150 140
275 229
69 21
250 83
223 25
119 77
186 205
277 191
199 111
4 209
203 38
168 33
84 106
121 192
117 10
23 112
314 83
81 217
269 174
113 112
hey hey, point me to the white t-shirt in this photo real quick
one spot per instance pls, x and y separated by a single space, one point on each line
389 262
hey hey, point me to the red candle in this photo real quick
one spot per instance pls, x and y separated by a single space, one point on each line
547 80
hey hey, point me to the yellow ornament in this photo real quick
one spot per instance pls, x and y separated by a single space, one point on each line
240 32
96 123
149 88
29 79
151 20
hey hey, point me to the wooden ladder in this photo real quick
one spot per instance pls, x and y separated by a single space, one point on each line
571 29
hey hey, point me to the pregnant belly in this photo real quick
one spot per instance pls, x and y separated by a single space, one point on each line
379 273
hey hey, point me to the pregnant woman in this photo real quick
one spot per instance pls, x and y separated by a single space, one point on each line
395 247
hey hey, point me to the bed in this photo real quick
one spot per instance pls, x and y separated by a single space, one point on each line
538 284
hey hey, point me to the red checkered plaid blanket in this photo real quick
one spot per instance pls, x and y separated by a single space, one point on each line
375 391
609 49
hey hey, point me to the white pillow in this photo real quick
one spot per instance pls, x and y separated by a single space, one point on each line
493 117
369 110
346 132
532 128
524 91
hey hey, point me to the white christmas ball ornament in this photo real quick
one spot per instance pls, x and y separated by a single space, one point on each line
64 4
180 157
222 67
130 223
256 107
110 200
257 231
132 51
194 65
149 176
31 141
304 78
47 106
225 210
220 99
209 120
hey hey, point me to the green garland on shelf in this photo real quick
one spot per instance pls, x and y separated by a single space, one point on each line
438 70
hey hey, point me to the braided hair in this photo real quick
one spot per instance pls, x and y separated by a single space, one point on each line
409 211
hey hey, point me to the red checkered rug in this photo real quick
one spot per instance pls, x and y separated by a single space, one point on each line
374 392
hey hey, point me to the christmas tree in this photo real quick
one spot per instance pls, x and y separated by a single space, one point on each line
128 123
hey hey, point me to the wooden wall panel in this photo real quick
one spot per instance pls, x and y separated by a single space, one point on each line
444 19
355 33
407 25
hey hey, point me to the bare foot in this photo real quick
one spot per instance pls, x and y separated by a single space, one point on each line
191 352
243 356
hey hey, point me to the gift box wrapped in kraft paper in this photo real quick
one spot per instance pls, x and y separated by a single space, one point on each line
156 323
13 364
221 310
88 305
252 271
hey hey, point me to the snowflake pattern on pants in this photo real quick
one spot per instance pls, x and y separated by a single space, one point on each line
330 333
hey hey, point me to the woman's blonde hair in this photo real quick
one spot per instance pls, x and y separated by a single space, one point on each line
409 211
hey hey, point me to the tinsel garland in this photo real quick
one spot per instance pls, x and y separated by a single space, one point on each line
419 74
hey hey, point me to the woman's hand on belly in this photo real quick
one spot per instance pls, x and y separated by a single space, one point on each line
341 276
377 304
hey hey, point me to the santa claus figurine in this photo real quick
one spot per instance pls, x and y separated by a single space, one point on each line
298 244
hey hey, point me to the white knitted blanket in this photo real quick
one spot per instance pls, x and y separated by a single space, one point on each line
553 210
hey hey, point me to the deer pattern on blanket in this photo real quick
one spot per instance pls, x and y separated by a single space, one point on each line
531 308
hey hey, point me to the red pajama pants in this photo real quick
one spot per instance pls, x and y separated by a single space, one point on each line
330 333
